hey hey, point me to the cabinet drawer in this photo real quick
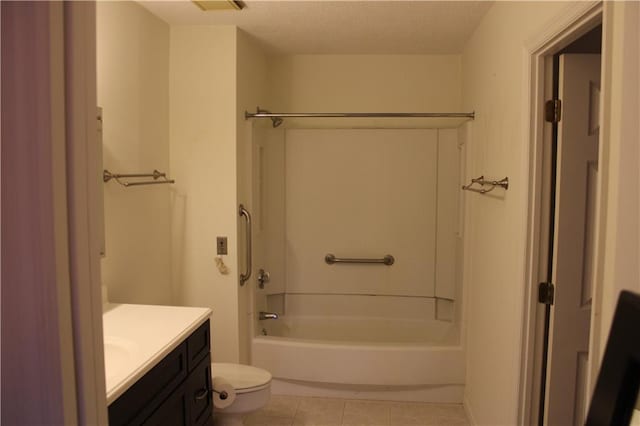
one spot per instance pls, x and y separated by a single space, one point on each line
137 403
198 344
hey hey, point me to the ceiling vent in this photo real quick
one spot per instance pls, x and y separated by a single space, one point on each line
219 5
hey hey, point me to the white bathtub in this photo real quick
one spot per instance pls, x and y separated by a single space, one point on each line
363 357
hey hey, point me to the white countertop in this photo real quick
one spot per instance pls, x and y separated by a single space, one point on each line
137 337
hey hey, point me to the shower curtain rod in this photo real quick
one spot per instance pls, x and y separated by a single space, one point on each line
277 117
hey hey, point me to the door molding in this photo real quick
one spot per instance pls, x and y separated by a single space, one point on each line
83 180
575 21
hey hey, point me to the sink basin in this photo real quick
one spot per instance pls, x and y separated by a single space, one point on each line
118 354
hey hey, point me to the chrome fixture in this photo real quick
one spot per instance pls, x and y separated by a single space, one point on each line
267 315
492 184
203 393
263 278
244 277
223 395
276 117
276 120
107 176
331 259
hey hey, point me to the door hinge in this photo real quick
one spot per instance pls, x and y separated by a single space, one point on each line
553 110
545 293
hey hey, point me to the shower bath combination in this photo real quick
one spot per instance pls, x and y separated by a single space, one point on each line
337 299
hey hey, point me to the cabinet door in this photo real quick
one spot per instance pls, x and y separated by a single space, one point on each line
199 395
172 412
145 396
190 404
175 392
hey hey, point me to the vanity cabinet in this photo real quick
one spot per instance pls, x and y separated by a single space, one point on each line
176 392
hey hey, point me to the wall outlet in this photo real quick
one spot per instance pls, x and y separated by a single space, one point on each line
221 245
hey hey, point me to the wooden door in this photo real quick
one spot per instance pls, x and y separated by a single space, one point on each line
577 168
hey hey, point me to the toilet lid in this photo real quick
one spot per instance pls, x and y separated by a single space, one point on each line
241 377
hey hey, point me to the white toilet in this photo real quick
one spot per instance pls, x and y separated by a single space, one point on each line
253 390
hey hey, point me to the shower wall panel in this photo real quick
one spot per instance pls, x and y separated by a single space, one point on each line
448 234
362 193
269 202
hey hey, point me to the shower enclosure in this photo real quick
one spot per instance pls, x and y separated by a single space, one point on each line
360 231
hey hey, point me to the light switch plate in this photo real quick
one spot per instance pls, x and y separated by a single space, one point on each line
221 245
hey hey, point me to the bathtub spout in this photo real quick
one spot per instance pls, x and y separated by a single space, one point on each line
267 315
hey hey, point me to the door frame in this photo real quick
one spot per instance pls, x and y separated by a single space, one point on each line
578 19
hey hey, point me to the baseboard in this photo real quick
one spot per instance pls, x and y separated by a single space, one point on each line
468 411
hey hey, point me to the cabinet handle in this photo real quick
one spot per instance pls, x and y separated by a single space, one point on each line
201 394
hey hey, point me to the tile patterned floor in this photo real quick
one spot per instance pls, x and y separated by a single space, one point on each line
305 411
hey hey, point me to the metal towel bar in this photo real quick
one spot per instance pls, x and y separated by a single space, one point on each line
331 259
107 176
492 184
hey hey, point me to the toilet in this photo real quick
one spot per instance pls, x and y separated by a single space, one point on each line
253 390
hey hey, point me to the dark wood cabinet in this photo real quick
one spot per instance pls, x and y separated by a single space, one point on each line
176 392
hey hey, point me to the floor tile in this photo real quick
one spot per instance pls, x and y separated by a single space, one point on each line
366 413
317 419
308 411
281 406
422 414
321 404
261 420
319 412
407 414
449 414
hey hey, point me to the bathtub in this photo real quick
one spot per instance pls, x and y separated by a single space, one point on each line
363 357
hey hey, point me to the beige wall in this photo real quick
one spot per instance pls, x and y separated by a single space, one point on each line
621 239
204 164
133 90
493 85
365 83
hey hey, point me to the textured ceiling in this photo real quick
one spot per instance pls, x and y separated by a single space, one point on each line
341 27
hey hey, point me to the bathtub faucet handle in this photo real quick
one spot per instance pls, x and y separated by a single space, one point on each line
267 315
263 278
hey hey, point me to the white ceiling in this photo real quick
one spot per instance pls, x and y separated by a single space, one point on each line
341 27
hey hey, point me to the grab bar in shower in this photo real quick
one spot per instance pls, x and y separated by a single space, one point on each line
245 277
331 259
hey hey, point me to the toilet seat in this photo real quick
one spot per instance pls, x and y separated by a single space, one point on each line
244 378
